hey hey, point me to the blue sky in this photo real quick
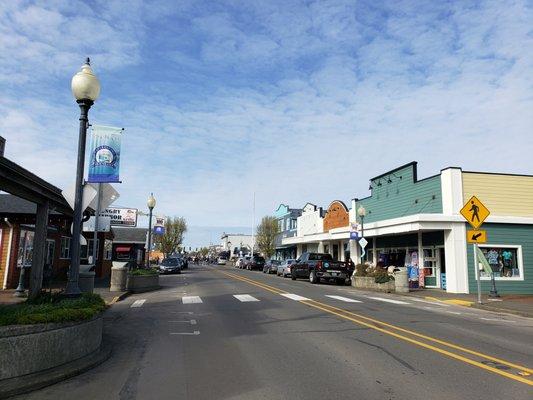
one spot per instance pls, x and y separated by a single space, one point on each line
296 100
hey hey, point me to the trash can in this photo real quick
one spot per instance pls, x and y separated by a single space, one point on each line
119 275
86 278
401 281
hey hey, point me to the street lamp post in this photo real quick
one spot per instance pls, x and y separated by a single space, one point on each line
151 204
85 88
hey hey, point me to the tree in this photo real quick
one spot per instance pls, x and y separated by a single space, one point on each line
172 239
266 235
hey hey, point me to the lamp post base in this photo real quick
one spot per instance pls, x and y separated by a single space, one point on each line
72 289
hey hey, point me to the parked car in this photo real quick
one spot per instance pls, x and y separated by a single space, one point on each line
255 263
171 265
284 269
317 266
271 267
185 261
221 261
244 262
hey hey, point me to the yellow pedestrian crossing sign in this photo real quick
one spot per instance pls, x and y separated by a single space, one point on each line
476 236
475 212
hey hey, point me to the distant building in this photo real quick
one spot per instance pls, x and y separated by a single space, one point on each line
236 243
287 225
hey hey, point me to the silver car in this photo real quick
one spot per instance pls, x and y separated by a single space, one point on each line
284 269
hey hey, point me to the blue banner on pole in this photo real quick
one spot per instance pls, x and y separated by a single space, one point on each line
354 235
104 164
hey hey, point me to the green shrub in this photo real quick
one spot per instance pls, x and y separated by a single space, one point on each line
143 271
47 308
382 277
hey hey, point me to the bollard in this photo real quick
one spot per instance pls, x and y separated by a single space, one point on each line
401 281
119 275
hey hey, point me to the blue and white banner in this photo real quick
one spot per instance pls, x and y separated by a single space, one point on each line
104 164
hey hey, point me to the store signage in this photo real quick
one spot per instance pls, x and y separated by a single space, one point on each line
121 216
104 165
475 212
476 236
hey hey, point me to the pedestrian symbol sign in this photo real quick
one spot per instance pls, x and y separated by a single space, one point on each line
475 212
475 236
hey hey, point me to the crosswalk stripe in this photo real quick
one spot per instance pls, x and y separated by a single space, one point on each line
138 303
191 299
388 300
346 299
294 296
244 297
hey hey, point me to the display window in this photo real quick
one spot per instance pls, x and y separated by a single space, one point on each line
25 250
504 260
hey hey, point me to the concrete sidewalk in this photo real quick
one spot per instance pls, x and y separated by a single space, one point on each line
513 304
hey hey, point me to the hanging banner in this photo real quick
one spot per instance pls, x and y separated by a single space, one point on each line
104 164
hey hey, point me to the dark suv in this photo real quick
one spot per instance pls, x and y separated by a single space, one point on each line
256 263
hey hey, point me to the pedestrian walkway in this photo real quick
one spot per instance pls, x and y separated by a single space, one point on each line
514 304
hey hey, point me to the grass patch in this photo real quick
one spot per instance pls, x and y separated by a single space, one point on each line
143 271
52 308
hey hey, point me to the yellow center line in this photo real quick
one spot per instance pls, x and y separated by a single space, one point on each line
360 319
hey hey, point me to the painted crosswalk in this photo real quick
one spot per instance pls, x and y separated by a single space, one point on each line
388 300
138 303
245 297
341 298
191 299
293 296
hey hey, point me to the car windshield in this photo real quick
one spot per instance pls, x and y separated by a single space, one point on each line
170 261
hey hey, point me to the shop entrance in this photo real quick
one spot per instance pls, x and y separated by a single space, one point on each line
433 260
336 252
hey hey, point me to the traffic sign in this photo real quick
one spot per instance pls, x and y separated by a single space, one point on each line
475 212
363 242
475 236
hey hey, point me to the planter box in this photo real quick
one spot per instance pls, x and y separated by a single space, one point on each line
142 283
27 349
369 283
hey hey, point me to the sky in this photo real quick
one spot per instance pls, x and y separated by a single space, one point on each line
297 101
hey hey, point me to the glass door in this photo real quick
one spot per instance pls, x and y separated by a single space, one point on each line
431 268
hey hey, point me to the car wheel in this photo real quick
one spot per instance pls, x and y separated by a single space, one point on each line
293 277
312 277
341 282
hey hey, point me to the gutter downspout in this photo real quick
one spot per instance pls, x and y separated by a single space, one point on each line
8 258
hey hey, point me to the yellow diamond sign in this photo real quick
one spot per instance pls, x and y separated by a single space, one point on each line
475 212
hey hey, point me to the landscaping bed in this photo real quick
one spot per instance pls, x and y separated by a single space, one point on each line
142 280
372 278
52 308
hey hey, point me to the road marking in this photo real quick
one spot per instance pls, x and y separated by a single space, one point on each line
346 299
244 297
429 302
388 300
293 296
493 319
454 312
191 299
138 303
192 322
195 333
380 326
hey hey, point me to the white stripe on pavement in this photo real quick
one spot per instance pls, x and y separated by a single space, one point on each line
244 297
138 303
294 296
388 300
195 333
346 299
191 299
436 303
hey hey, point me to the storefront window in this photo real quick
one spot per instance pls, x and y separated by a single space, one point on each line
87 250
505 262
25 251
108 250
65 247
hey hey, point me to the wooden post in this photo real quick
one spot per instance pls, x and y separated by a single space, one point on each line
39 249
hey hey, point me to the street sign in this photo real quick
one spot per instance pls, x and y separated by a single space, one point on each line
363 242
475 236
475 212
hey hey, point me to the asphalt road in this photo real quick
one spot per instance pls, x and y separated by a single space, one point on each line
194 339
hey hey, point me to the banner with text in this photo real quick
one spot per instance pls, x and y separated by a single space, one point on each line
121 216
104 164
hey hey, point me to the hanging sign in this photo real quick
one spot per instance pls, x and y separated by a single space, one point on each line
475 212
121 216
363 242
104 164
354 235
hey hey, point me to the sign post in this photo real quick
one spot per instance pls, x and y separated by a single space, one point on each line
475 213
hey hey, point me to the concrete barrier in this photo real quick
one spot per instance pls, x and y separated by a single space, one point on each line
401 281
142 283
119 275
369 283
28 349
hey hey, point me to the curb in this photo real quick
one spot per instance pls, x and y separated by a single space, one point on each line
27 383
118 298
